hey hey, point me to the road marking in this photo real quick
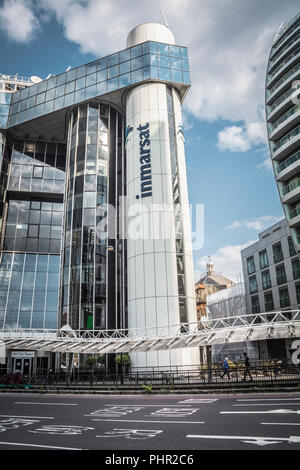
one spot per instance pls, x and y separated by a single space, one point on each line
43 403
269 404
283 424
148 421
155 406
199 400
261 441
37 445
260 412
267 399
33 417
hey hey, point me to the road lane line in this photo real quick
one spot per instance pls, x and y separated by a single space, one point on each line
283 424
267 399
148 421
261 412
42 403
268 404
37 445
33 417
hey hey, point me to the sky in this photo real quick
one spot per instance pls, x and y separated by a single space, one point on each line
228 166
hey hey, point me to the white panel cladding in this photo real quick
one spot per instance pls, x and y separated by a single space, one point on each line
150 32
152 268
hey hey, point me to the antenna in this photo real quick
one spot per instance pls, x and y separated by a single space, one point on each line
278 32
164 18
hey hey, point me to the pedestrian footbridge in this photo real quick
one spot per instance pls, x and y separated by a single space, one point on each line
240 328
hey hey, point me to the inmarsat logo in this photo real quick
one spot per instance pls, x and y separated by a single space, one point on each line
145 161
128 130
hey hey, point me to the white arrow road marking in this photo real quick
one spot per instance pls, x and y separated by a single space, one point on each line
260 412
260 441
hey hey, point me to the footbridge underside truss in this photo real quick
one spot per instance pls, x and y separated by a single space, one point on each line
235 329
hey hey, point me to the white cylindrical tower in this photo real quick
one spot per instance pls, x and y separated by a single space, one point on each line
160 264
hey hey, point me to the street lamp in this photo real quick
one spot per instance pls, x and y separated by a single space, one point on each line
114 250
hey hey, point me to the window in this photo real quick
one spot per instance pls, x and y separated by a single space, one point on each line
252 284
296 268
263 259
269 304
284 298
291 247
250 265
255 304
277 253
266 280
280 274
38 172
298 293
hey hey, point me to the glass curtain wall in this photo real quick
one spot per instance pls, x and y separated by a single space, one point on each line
91 296
177 211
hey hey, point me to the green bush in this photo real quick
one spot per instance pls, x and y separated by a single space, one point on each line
147 388
122 360
91 361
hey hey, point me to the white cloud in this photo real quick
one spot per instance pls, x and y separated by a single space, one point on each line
266 164
228 40
18 20
258 224
241 139
227 261
228 52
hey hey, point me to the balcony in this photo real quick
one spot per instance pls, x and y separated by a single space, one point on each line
286 144
294 217
282 84
285 39
280 105
289 167
284 123
291 192
283 65
284 52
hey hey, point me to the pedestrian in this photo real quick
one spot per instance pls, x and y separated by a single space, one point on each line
225 367
247 368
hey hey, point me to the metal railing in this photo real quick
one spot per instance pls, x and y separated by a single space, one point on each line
278 42
290 187
295 69
281 66
284 117
278 58
201 376
292 159
294 133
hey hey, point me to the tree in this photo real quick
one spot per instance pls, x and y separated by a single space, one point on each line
91 361
122 360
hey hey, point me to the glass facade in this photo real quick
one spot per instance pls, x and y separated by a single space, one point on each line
91 287
37 167
177 210
150 60
29 290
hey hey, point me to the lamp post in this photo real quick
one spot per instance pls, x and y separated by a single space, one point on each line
114 250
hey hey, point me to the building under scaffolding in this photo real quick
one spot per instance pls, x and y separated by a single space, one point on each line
223 304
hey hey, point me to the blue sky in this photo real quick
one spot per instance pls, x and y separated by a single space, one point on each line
228 165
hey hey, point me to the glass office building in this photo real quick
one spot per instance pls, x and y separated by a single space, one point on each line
66 168
283 120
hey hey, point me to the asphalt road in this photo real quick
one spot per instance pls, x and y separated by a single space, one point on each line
178 423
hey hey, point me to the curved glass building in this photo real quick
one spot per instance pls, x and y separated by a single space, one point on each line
95 229
283 120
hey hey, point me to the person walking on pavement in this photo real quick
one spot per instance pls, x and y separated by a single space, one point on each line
225 368
247 368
